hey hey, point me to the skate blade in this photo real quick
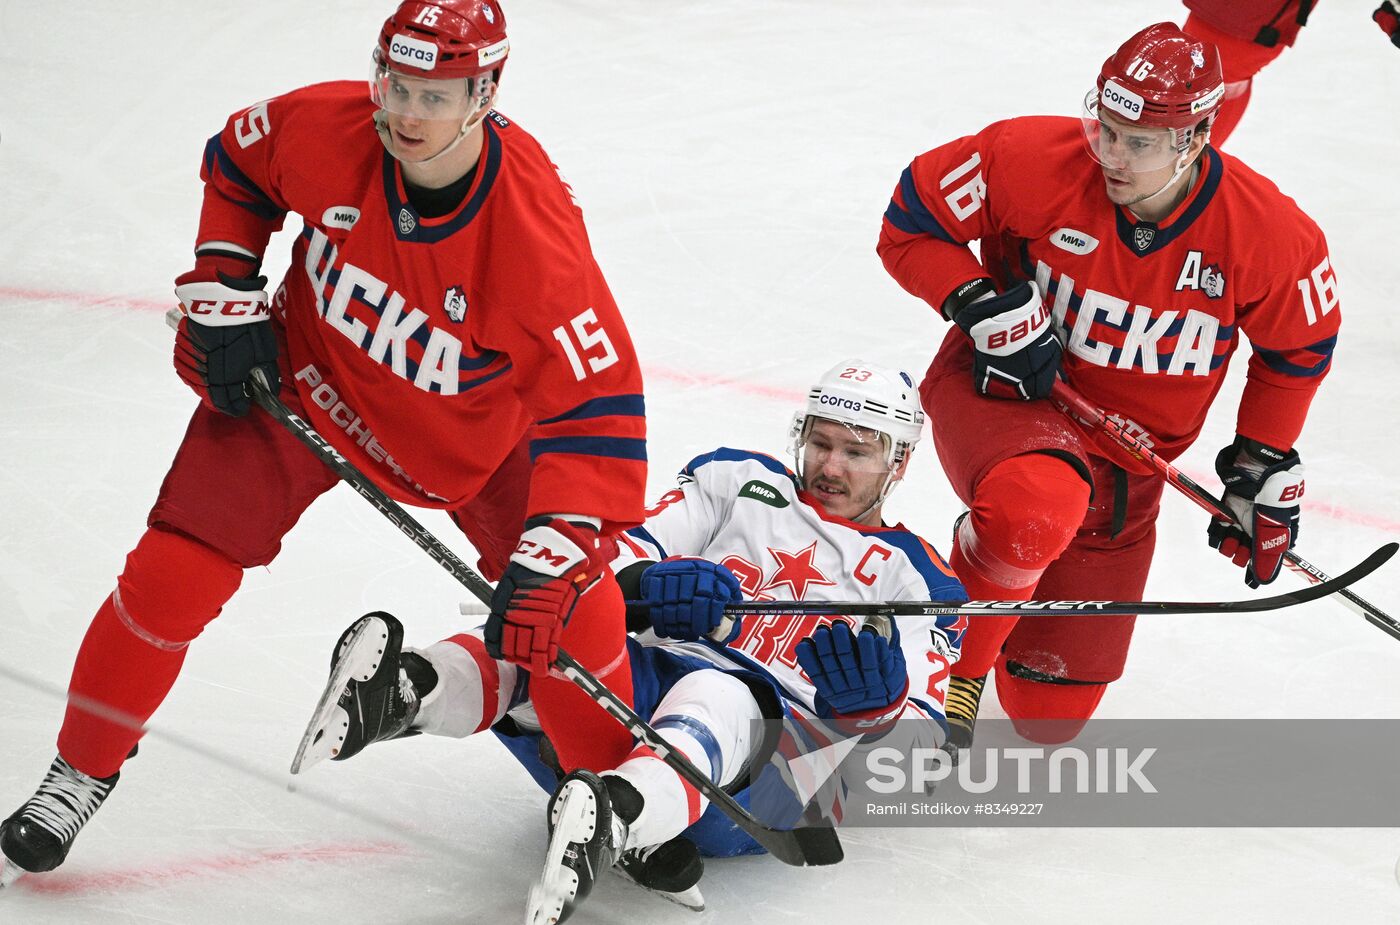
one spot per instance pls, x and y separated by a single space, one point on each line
360 663
690 898
558 885
9 872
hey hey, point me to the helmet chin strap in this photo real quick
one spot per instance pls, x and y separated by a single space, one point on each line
891 480
1182 166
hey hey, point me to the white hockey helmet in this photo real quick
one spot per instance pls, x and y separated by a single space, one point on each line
868 396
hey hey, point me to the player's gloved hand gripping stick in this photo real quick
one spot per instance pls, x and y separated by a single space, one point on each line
811 846
1078 407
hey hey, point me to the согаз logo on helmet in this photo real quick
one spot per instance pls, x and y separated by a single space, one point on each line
1122 100
415 52
838 401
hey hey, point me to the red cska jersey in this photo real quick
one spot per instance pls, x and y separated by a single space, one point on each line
426 348
1149 313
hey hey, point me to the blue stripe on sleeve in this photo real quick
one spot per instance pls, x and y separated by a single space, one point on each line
611 447
901 220
918 212
262 204
607 405
1278 361
642 534
725 454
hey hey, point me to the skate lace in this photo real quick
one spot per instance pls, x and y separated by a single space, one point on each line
642 855
65 800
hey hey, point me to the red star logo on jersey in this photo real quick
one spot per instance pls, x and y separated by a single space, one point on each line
796 571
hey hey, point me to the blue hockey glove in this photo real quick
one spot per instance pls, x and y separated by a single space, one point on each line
854 675
687 598
1263 489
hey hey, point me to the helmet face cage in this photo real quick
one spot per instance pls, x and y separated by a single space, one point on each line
867 400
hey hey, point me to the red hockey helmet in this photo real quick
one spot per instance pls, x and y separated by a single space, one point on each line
445 39
1163 78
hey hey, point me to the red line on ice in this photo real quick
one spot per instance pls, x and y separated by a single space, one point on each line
84 298
111 881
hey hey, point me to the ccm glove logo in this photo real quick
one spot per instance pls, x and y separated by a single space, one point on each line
534 552
217 304
243 311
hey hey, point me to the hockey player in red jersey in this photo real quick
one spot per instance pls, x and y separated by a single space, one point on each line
444 325
1250 34
1126 254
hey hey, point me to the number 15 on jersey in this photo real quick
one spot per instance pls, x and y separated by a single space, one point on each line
585 339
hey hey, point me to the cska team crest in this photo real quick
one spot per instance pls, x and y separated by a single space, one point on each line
454 302
1213 282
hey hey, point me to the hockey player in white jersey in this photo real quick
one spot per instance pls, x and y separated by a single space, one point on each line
739 525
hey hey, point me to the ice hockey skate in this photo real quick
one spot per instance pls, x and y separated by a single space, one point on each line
39 834
372 695
588 821
671 870
964 698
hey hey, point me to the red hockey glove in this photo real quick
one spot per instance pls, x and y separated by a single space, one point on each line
1018 354
225 333
1263 489
554 562
1387 16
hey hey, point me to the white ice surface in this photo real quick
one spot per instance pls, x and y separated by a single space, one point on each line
733 159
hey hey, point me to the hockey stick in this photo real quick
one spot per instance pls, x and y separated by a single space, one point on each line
1058 608
805 847
1079 408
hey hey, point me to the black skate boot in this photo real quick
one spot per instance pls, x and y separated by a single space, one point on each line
588 820
37 837
373 693
960 707
671 870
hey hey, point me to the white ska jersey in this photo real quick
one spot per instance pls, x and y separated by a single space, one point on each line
746 511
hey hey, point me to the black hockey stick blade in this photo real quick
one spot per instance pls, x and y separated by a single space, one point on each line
1058 608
